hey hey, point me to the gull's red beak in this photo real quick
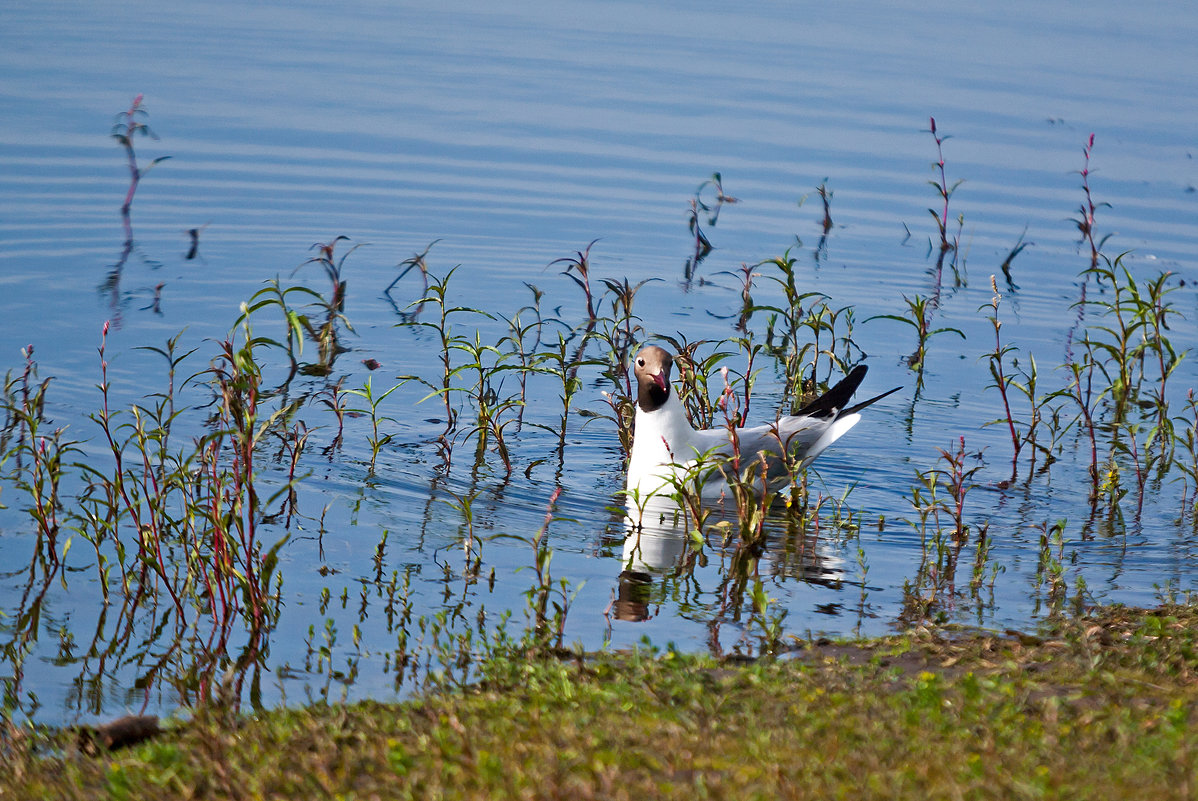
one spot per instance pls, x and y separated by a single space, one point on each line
660 380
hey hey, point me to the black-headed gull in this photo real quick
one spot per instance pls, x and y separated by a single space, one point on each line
665 447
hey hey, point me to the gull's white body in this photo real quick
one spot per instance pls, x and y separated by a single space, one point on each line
665 448
669 455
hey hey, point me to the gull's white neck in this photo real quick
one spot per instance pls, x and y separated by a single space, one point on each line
661 437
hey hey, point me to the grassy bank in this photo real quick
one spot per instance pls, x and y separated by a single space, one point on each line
1095 707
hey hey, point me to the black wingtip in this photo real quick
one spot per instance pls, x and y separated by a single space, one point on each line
832 402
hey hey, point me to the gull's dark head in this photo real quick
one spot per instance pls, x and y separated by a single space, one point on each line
652 370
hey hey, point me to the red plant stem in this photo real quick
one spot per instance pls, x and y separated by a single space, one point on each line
1015 443
764 499
1085 412
557 492
134 179
247 499
131 127
45 512
537 543
744 412
943 186
959 486
1194 428
1001 377
1135 456
220 555
1087 225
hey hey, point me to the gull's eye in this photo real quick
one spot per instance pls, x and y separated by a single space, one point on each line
640 362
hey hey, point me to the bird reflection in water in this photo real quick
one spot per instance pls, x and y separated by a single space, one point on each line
660 545
632 600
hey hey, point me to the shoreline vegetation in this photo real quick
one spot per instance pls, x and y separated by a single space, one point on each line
1097 705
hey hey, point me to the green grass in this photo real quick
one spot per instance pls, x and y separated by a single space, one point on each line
1095 707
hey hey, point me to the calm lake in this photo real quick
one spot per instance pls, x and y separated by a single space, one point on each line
507 137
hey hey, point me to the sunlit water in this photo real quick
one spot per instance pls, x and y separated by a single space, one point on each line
516 137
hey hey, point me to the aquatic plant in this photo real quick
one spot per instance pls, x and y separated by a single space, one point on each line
1186 436
181 526
128 125
524 340
713 207
825 196
371 409
784 338
702 245
943 533
39 456
943 190
919 316
418 262
1085 223
1080 391
1003 382
1051 585
442 327
578 270
324 330
618 333
770 623
700 207
1088 209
